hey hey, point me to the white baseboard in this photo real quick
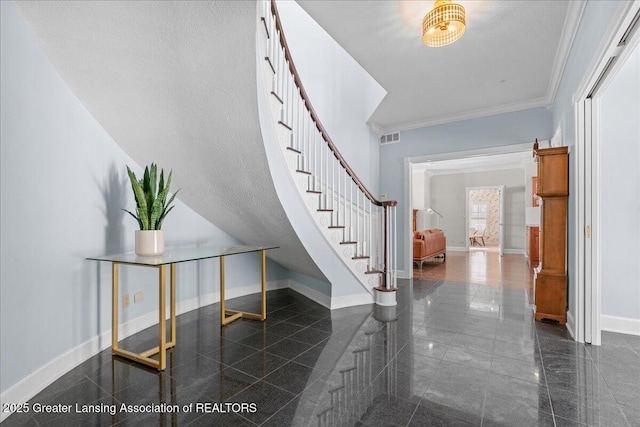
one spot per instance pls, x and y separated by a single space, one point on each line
351 300
571 324
465 249
623 325
514 251
38 380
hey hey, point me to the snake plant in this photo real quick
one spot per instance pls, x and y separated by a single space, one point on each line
151 205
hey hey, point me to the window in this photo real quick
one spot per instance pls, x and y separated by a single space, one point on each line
478 216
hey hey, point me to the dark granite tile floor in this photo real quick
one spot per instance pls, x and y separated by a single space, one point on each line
448 354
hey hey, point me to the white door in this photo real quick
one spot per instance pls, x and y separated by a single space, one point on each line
589 302
501 233
588 233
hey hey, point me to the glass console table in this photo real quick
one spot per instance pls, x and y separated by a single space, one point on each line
171 258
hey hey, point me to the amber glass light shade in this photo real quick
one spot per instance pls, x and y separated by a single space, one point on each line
444 25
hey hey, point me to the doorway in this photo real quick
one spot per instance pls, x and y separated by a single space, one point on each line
441 182
485 218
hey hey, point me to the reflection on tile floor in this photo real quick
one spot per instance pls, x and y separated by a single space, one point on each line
448 354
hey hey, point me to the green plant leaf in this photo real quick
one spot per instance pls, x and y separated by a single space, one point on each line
152 180
141 200
161 185
163 216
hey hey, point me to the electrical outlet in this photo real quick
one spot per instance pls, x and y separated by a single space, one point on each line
125 300
138 297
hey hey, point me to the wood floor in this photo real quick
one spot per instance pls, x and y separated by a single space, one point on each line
483 267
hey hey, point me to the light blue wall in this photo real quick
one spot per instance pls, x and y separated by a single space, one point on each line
596 18
313 283
493 131
63 183
342 93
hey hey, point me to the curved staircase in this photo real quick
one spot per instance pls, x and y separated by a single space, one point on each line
359 228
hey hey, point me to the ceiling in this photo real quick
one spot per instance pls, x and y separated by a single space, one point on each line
510 58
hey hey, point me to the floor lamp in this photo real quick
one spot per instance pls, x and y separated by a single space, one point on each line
432 211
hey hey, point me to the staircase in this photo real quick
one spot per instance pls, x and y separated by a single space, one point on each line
359 227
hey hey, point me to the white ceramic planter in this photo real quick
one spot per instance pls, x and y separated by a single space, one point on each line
149 242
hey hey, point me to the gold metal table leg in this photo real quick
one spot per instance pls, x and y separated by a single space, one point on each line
114 306
235 314
163 345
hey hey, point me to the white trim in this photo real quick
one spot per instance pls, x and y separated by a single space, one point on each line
579 241
376 129
481 152
622 325
472 114
351 300
44 376
408 215
596 215
571 324
608 45
457 249
569 31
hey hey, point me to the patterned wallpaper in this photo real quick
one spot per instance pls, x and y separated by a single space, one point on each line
491 198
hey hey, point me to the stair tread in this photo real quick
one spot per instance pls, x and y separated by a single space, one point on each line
301 171
266 58
280 122
314 191
373 272
336 226
360 257
348 243
325 210
277 97
294 150
266 29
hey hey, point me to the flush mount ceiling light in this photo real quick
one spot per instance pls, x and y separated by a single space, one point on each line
444 24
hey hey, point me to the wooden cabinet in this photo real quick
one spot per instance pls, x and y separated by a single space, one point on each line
553 190
533 246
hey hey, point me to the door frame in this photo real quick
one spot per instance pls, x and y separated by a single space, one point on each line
408 163
586 100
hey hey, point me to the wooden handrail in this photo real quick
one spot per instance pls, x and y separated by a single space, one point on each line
316 120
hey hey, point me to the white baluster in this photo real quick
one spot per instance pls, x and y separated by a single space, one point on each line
395 245
358 221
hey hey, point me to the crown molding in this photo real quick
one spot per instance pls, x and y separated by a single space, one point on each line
376 129
468 115
569 31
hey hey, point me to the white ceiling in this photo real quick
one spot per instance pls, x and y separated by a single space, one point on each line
510 58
